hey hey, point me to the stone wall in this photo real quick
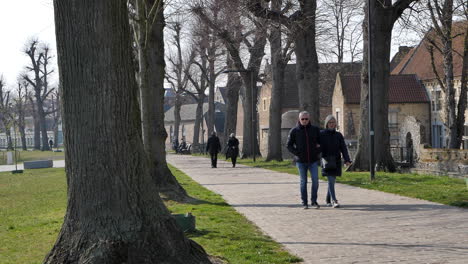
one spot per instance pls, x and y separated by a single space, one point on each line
450 162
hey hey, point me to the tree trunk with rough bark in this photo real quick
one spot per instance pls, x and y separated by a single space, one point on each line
198 120
383 17
462 103
114 213
151 73
307 66
277 70
232 95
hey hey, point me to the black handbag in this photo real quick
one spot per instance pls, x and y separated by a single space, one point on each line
329 163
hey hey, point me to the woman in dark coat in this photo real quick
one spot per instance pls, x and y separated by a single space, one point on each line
232 149
333 148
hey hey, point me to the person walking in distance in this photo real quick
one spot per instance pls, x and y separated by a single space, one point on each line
333 147
303 143
213 147
232 149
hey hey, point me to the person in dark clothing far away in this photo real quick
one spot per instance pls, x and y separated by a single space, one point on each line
332 144
213 147
232 149
51 143
303 143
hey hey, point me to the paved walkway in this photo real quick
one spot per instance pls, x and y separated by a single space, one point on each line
371 226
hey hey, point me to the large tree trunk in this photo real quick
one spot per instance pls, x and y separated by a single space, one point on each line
198 120
361 160
211 84
114 213
37 131
383 16
9 140
277 70
232 94
151 64
307 66
250 122
42 121
450 104
462 103
177 106
21 130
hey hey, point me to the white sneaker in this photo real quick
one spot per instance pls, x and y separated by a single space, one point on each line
335 204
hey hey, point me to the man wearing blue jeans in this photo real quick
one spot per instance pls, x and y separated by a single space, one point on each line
303 143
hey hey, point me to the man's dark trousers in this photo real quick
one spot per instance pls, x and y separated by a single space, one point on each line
214 159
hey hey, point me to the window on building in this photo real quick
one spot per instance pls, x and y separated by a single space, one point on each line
393 120
466 131
436 102
264 104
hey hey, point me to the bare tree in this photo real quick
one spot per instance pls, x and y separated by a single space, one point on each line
302 26
177 76
256 45
149 39
114 213
55 111
40 58
199 79
21 101
441 41
279 60
384 14
341 20
6 112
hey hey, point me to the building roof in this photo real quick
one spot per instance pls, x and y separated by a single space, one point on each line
402 89
223 91
188 112
327 77
418 60
399 56
169 92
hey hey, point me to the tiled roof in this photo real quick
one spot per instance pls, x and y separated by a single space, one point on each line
327 73
223 91
402 89
399 56
188 111
418 61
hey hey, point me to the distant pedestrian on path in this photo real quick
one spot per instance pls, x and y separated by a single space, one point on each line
213 147
303 143
232 149
51 143
333 146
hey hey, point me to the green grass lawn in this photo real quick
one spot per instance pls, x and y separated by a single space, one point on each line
28 155
32 206
440 189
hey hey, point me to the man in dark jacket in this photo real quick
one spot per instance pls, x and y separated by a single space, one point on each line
213 147
303 143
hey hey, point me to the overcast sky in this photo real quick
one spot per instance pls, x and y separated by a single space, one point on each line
20 21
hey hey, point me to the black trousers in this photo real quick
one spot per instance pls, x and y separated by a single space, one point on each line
214 159
233 159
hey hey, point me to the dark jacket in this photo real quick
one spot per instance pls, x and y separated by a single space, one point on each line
233 147
332 144
213 146
302 143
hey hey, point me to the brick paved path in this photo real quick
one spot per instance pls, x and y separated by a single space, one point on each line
371 226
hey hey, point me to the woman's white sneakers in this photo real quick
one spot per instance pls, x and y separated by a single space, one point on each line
335 204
